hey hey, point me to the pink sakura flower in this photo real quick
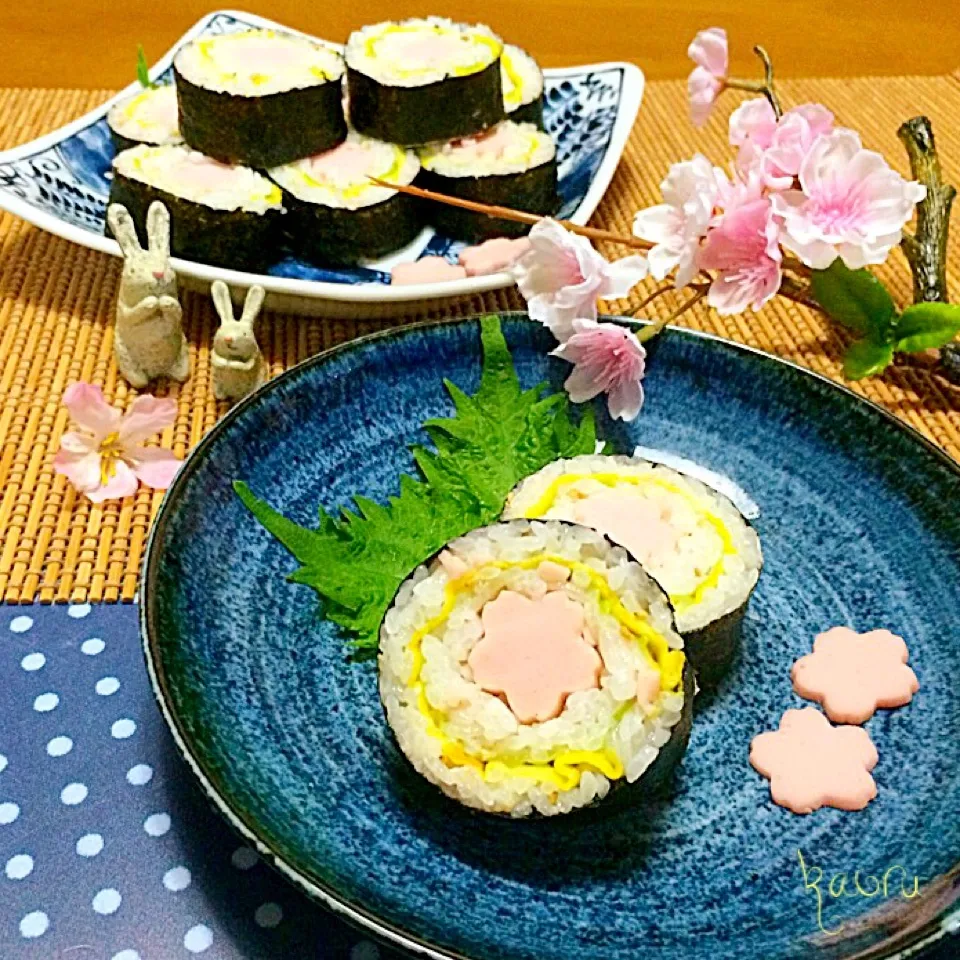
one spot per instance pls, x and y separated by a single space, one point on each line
609 359
561 277
708 50
776 149
103 457
850 204
677 226
743 247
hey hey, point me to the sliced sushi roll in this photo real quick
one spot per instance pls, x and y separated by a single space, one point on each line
336 214
531 668
522 81
690 538
424 79
149 116
512 165
228 216
260 98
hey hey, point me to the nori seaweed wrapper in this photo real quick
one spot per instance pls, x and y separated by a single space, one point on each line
237 239
533 191
261 132
444 110
531 112
330 235
711 649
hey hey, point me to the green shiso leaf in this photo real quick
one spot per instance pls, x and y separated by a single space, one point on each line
856 299
498 436
926 326
143 71
864 358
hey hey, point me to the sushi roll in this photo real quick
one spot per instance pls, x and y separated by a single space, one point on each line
147 117
260 98
512 165
335 213
690 538
522 82
532 668
424 79
227 216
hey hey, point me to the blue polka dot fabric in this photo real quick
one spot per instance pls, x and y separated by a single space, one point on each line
109 851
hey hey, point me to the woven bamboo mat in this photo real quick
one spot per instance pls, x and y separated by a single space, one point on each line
57 300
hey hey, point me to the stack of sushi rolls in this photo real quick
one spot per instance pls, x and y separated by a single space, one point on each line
149 117
255 130
533 669
691 539
335 213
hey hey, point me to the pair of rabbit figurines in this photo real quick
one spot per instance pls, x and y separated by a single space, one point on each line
148 341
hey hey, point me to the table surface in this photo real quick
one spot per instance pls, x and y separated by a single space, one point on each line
57 304
93 44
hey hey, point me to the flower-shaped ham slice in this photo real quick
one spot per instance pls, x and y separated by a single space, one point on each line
812 764
852 674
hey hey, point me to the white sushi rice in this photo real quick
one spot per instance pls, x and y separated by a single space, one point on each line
521 77
606 718
507 148
339 178
190 175
398 54
255 63
147 117
690 507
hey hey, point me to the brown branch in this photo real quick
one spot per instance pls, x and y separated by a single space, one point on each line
768 88
648 333
518 216
646 301
794 291
927 251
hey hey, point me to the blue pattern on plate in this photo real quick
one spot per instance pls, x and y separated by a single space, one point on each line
76 708
71 179
859 526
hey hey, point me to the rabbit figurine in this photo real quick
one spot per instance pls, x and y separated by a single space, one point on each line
148 341
237 362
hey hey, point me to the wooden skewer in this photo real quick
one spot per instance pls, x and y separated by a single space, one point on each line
506 213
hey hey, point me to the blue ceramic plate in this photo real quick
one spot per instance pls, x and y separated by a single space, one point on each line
61 182
859 526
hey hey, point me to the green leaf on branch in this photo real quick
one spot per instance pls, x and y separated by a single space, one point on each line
357 560
926 326
865 358
856 299
143 71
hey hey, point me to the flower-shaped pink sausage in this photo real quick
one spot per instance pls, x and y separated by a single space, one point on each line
853 674
811 764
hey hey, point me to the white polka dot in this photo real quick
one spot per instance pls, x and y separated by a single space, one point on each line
126 955
8 812
107 901
21 624
46 702
122 729
107 685
177 879
78 610
157 824
198 938
92 647
34 924
365 950
244 858
33 661
268 915
3 763
89 845
73 793
59 746
139 775
19 866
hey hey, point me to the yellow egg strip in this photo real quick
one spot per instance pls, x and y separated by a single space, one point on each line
391 174
565 769
513 96
680 601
